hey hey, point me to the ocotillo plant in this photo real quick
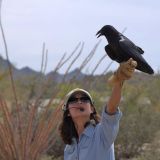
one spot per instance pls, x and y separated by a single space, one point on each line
27 134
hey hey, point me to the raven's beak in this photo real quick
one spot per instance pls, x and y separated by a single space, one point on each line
98 34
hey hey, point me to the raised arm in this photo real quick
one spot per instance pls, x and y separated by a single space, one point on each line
124 72
110 118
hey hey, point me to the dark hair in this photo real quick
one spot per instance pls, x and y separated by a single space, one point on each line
67 128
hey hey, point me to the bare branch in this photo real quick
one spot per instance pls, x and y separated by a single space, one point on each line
106 69
11 77
86 60
73 61
46 61
43 53
72 53
99 62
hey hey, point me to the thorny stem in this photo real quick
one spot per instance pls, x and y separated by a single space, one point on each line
73 61
98 64
28 148
11 75
42 61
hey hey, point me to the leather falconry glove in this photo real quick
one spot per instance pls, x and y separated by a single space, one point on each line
124 72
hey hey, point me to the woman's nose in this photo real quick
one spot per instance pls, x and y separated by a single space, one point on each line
79 101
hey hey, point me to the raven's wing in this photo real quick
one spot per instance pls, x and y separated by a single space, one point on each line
139 49
110 52
130 50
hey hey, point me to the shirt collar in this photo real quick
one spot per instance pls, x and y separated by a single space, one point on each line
89 130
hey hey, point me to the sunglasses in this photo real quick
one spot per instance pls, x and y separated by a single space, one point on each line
74 100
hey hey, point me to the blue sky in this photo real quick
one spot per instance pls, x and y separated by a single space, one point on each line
61 24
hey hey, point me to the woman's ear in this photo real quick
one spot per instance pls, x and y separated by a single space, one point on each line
92 108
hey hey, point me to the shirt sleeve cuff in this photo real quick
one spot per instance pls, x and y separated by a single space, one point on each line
116 115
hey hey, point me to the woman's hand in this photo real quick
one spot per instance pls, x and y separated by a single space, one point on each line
124 72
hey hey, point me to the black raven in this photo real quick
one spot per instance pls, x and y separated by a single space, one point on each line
120 48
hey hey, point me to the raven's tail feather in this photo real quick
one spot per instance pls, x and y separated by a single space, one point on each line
145 68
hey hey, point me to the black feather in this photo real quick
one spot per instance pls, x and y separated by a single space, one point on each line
120 48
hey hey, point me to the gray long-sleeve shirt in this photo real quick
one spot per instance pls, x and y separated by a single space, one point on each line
96 142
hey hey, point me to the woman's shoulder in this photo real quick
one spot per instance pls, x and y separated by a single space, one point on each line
70 147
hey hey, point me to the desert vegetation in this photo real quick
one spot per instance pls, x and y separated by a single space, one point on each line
32 129
30 107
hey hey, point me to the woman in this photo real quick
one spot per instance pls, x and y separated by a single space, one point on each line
85 135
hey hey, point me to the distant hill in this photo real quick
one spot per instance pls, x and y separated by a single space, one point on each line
28 72
4 64
54 76
25 72
76 74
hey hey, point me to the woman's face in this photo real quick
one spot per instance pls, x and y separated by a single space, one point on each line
79 106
